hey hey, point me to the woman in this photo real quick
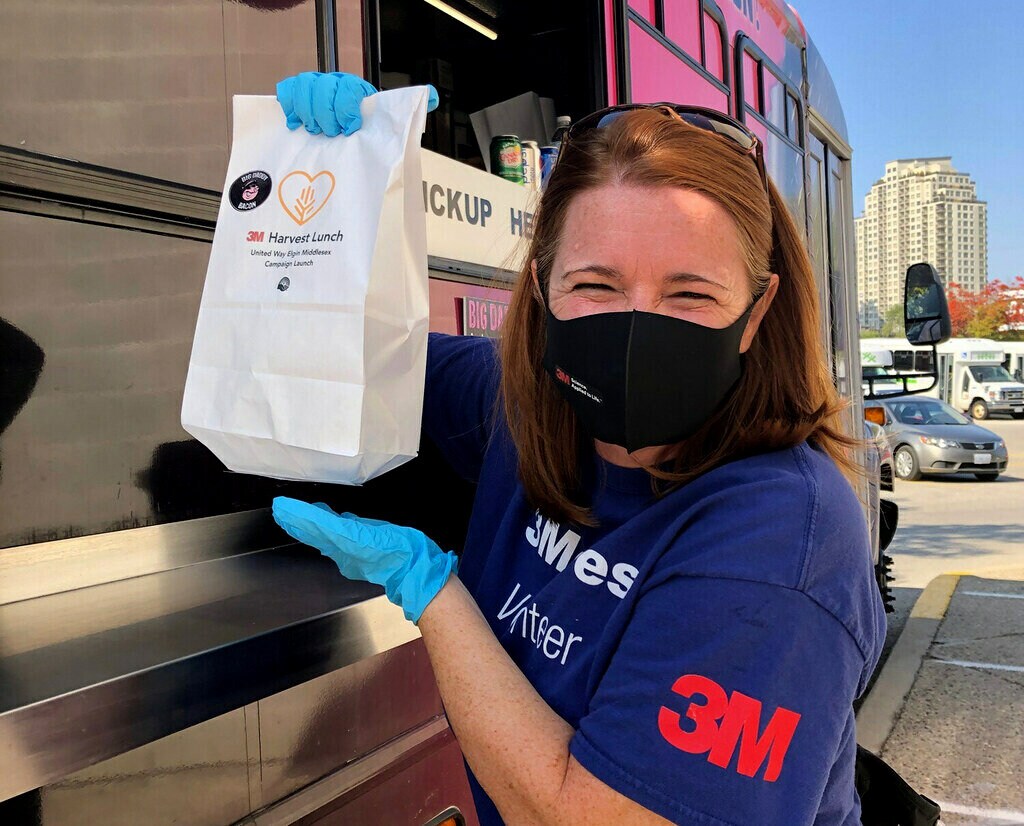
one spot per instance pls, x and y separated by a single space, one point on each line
665 605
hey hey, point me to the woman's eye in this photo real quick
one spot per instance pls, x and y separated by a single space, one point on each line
592 286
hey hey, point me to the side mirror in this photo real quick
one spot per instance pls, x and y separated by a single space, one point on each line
925 312
875 414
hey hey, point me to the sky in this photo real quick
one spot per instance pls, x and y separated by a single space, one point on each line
927 78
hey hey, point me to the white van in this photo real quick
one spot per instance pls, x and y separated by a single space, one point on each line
876 363
972 378
1013 358
895 357
975 375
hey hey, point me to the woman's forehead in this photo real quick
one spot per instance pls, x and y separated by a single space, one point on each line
650 229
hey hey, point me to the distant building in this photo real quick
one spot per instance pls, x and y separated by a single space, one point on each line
921 210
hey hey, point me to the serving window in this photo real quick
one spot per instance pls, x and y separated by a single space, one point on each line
483 53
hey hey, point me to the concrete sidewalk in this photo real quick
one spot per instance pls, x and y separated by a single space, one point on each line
947 710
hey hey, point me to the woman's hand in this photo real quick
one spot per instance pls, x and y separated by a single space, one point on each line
516 744
328 103
411 567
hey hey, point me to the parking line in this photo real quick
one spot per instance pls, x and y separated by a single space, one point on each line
992 594
1000 815
995 666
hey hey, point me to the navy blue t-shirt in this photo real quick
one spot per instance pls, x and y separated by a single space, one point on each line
705 646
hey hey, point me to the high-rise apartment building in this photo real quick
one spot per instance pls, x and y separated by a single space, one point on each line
921 210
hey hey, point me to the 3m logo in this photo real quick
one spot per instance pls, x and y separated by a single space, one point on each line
562 376
303 195
255 236
740 725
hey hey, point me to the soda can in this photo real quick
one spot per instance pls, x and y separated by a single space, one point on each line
531 164
548 156
507 157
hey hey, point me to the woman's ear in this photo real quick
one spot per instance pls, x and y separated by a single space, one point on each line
758 313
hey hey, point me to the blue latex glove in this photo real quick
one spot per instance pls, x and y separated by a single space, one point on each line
410 566
328 103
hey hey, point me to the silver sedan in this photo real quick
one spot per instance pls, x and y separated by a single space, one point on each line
930 437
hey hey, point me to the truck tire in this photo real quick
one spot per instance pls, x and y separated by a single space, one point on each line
979 410
883 576
905 462
1017 415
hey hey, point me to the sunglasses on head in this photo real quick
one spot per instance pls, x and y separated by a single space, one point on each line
697 116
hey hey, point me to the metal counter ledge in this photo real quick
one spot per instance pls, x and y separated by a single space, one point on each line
111 642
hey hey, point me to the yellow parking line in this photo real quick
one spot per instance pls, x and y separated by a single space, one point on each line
934 600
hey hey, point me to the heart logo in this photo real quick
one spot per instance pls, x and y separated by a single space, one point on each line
303 195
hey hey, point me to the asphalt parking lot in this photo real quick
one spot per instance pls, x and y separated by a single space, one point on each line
947 709
957 523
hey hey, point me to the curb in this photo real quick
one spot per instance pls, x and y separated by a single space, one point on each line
882 706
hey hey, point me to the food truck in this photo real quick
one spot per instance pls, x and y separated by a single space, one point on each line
167 655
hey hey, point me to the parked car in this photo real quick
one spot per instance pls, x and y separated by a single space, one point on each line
885 459
928 436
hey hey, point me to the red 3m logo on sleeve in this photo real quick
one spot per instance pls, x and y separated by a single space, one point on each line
721 723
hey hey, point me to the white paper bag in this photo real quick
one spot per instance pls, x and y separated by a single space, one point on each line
310 348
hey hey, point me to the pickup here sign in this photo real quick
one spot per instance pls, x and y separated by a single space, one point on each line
474 216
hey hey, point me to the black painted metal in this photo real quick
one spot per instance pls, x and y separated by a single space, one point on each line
623 83
745 44
599 65
371 41
690 60
711 7
326 36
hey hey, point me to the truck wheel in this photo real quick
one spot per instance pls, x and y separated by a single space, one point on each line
979 410
905 461
883 576
986 477
1017 415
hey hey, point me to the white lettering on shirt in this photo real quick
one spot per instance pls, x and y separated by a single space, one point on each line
552 639
590 567
624 575
505 610
557 551
533 533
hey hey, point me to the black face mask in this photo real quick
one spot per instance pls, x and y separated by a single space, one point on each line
641 379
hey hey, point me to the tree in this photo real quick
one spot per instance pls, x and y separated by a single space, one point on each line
892 324
989 316
996 312
1013 303
962 307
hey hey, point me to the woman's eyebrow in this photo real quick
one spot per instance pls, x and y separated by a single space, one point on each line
597 269
689 278
675 278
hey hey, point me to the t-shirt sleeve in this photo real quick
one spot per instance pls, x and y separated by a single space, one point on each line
726 702
459 399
